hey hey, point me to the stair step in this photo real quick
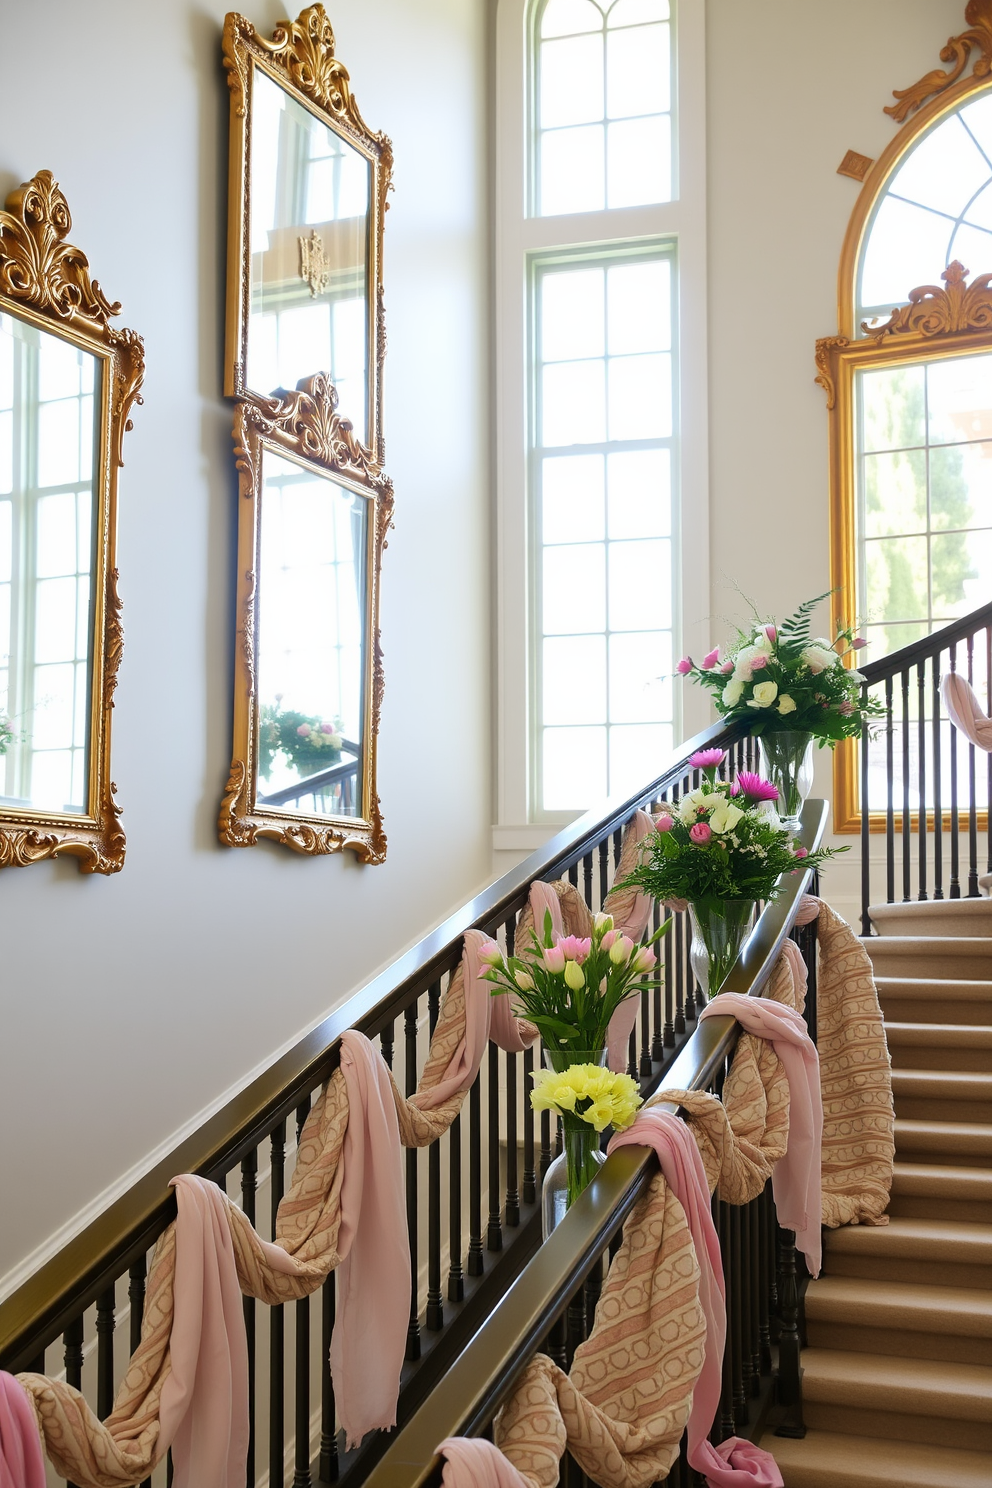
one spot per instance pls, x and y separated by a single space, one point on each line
934 1252
935 1191
895 1318
933 917
963 1001
934 1095
965 1144
827 1459
934 1046
940 958
908 1399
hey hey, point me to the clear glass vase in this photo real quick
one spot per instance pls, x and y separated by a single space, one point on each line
581 1156
719 930
787 761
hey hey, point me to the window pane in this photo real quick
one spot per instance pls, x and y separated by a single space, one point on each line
895 493
571 81
961 486
572 170
640 493
979 212
943 171
977 117
58 369
6 514
51 781
638 72
6 451
574 767
637 753
574 680
52 725
58 442
641 677
639 161
639 307
640 585
971 245
897 578
56 535
961 564
641 397
572 499
959 399
635 12
893 408
566 17
574 589
55 620
884 639
6 364
573 409
907 246
572 315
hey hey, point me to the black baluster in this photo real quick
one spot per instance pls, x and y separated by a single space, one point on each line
754 1292
764 1288
726 1416
938 815
277 1322
669 989
435 1301
456 1277
955 823
328 1465
249 1186
865 860
556 1344
587 878
545 1142
972 805
136 1298
494 1231
512 1210
604 869
410 1044
386 1038
658 1030
575 1327
530 1176
72 1339
105 1306
890 778
907 888
789 1367
617 846
921 779
681 957
632 1054
644 1067
476 1263
301 1473
774 1307
573 874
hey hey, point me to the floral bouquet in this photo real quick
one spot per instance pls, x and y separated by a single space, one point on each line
587 1099
308 743
777 678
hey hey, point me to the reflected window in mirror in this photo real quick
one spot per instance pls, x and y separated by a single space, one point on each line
49 391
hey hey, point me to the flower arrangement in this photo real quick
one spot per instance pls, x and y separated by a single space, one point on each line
721 841
6 734
570 986
308 743
589 1092
779 678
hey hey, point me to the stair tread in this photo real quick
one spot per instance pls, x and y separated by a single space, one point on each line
940 1035
925 1239
882 1382
973 907
950 1084
941 1180
971 1136
955 989
962 945
961 1311
827 1459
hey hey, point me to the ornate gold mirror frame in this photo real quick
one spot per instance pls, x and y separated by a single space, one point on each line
316 238
57 319
953 319
303 432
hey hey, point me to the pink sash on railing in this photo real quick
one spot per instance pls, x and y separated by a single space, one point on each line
22 1464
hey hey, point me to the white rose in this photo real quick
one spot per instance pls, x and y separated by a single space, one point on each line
764 695
725 817
818 658
786 704
743 661
689 804
732 692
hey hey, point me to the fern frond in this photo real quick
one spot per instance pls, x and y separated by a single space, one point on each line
796 629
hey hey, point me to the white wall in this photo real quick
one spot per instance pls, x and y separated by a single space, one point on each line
128 1005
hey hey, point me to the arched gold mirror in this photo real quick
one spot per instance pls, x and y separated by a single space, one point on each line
68 380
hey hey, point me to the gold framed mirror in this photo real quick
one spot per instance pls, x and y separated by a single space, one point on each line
314 511
68 381
308 183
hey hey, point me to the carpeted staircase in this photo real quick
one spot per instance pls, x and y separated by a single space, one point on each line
897 1382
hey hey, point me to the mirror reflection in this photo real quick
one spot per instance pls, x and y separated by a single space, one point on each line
48 395
311 603
309 196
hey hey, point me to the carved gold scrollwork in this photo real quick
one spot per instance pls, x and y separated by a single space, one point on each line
978 37
37 265
933 311
307 420
825 346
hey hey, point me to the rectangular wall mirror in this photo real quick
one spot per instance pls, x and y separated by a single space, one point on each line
67 381
308 181
308 677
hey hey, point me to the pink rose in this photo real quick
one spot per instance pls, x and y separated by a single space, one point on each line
700 833
665 823
712 657
304 731
727 668
757 662
771 633
684 667
327 728
858 643
574 948
554 958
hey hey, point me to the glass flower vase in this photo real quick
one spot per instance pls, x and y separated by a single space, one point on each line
581 1156
719 930
787 761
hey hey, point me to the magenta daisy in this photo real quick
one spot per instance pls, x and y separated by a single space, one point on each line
754 789
707 759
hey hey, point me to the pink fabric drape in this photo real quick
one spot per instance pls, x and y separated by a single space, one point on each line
22 1464
796 1178
204 1409
470 1462
634 925
965 711
735 1463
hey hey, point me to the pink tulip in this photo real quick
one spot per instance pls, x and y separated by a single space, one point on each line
771 633
684 667
712 657
757 662
858 643
608 939
621 949
735 789
554 958
727 668
489 953
574 948
700 833
665 823
644 960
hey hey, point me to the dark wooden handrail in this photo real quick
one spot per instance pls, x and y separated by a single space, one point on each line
922 650
484 1375
51 1298
313 782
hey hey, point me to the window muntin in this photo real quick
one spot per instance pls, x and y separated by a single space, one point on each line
601 462
937 208
603 105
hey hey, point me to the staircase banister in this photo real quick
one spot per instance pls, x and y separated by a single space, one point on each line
922 650
48 1300
483 1376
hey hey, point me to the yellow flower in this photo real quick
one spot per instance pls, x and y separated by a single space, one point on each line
599 1114
597 1095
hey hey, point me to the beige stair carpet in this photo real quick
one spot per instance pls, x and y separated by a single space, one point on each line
897 1382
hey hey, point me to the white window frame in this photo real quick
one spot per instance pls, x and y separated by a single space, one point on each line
518 236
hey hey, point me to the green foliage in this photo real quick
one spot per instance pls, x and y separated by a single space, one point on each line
308 743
